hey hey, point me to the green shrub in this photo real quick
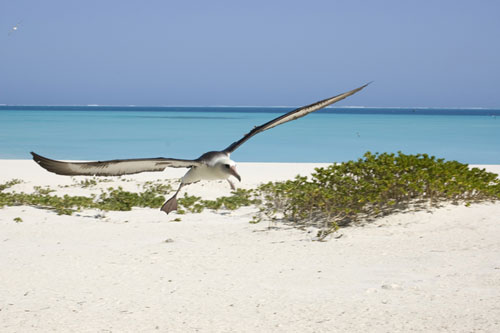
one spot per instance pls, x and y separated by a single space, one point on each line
10 183
375 185
239 198
113 199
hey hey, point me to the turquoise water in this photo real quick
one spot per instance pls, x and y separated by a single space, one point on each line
88 133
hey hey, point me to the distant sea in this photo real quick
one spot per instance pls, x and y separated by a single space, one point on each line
330 135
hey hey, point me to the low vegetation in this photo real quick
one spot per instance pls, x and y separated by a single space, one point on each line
239 198
117 199
376 185
335 196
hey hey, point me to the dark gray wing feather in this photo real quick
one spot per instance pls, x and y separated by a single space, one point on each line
113 167
292 115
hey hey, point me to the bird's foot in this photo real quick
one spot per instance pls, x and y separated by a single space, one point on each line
170 205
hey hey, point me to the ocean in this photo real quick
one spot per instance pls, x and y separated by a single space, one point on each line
330 135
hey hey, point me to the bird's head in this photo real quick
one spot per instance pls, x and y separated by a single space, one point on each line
228 167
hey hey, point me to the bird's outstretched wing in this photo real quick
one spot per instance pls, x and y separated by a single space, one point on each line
292 115
113 167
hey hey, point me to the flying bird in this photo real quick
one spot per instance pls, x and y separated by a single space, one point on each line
15 28
212 165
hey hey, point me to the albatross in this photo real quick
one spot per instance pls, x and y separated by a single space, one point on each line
213 165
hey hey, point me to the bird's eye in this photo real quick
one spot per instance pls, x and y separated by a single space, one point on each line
227 166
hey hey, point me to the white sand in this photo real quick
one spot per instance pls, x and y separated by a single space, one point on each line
425 271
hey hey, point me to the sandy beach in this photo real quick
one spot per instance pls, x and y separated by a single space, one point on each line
141 271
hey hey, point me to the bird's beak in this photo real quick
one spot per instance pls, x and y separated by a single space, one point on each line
232 170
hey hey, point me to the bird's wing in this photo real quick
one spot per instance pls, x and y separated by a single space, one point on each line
113 167
292 115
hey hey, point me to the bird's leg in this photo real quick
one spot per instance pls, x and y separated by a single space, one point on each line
171 203
231 184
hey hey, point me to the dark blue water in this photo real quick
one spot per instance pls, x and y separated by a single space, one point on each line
330 135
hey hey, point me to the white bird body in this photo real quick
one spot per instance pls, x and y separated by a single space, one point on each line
215 169
212 165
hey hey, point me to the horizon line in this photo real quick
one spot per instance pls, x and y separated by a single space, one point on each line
254 106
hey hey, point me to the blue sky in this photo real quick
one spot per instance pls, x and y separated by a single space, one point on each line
419 53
